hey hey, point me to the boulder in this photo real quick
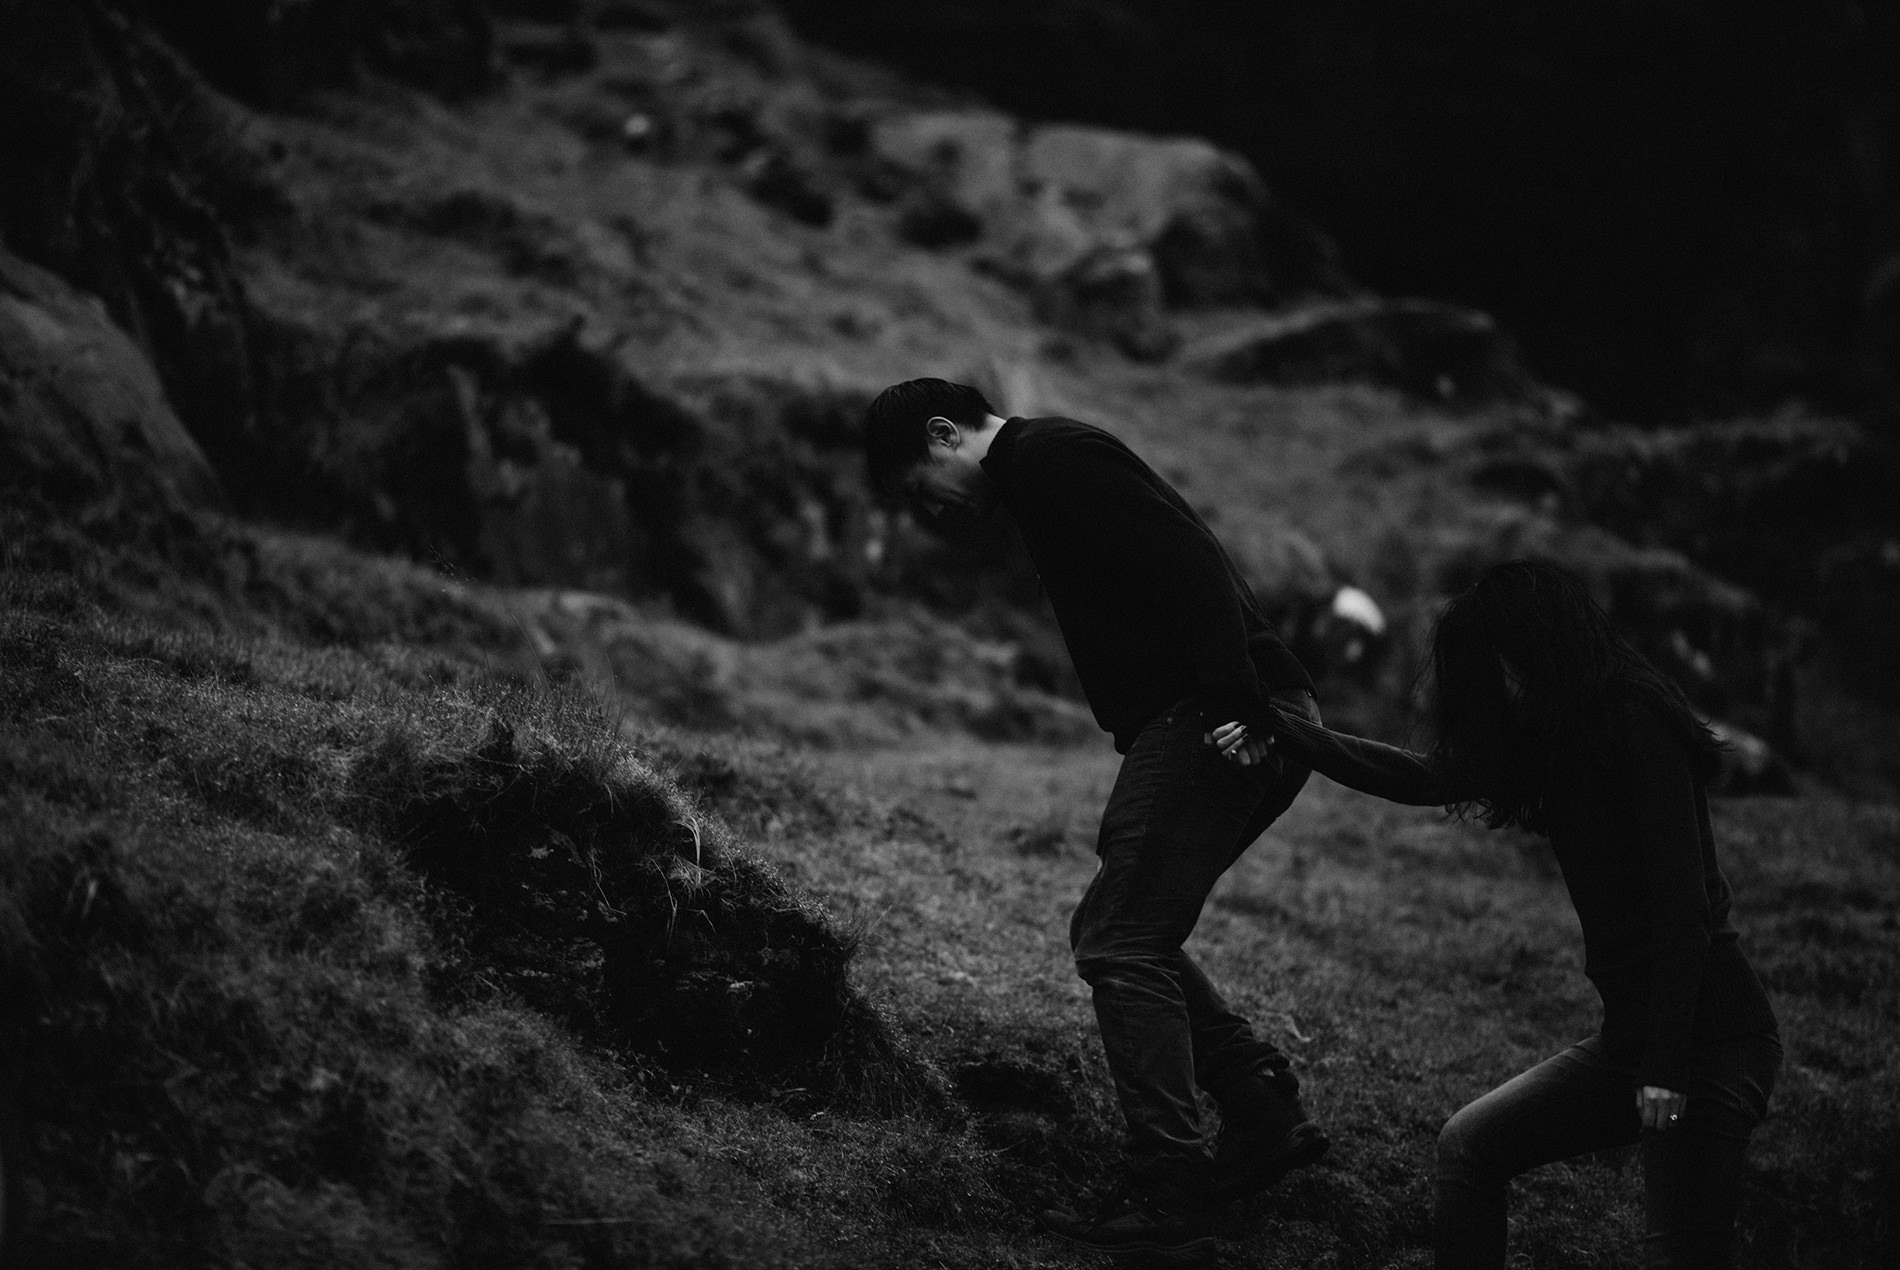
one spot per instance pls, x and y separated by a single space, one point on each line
528 449
542 515
1419 346
1175 221
82 413
520 449
1110 294
1203 203
969 155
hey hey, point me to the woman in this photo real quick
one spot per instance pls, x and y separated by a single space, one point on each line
1545 717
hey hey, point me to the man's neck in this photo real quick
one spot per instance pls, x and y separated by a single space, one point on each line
977 442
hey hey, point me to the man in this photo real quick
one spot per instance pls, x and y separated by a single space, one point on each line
1169 644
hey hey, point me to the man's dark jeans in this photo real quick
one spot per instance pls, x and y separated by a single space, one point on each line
1179 815
1584 1099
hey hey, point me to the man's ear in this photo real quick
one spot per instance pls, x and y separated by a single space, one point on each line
943 431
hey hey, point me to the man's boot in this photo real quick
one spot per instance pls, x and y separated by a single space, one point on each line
1265 1133
1163 1223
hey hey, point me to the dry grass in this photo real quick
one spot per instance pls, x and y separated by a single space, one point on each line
272 964
373 953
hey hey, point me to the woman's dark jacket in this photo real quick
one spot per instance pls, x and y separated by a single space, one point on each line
1638 856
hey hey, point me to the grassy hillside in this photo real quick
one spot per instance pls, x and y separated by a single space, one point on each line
675 871
346 950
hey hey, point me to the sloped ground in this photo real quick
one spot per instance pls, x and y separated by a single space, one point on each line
361 951
320 955
271 804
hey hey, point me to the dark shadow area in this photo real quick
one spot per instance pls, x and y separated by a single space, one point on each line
1682 210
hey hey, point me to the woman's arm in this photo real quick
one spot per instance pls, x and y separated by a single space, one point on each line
1384 771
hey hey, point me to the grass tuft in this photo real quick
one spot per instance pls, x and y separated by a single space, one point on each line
593 885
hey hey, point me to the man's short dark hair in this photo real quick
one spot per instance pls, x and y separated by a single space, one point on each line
894 436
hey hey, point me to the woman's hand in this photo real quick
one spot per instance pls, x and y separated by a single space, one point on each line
1660 1108
1237 746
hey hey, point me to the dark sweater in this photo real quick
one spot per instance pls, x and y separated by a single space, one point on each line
1638 856
1151 607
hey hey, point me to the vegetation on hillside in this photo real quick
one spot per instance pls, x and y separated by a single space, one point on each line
662 856
320 954
364 949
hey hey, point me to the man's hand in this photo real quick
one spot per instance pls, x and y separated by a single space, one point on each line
1236 746
1660 1108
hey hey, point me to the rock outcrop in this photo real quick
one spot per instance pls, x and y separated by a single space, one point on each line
82 413
124 184
1422 347
1712 234
1106 229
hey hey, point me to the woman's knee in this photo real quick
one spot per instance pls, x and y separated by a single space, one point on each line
1462 1142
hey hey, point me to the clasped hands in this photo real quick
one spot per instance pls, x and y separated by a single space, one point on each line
1660 1108
1237 745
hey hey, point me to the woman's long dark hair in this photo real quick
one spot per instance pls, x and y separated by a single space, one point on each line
1507 748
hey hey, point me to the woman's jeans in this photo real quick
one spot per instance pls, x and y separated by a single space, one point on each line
1584 1099
1179 815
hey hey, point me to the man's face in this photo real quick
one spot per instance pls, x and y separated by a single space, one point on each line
949 484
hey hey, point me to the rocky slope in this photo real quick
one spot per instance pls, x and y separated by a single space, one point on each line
593 303
481 784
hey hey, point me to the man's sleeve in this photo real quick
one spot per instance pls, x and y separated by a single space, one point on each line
1107 500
